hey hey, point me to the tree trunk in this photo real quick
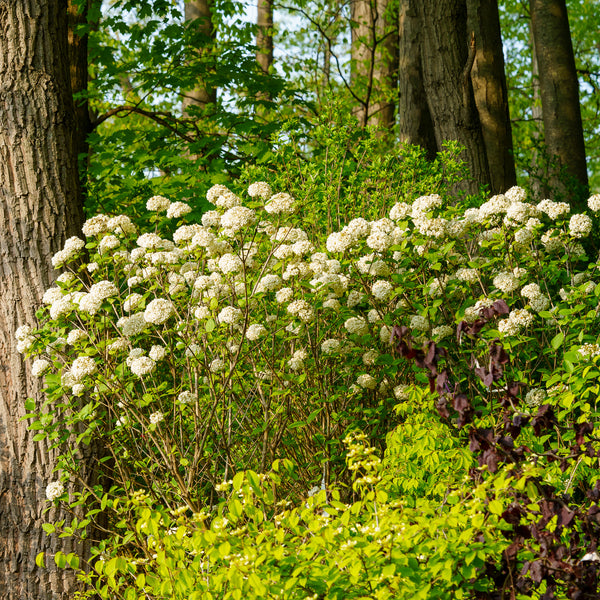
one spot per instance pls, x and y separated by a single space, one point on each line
414 119
538 171
198 14
559 90
78 62
491 97
264 35
374 61
447 62
40 206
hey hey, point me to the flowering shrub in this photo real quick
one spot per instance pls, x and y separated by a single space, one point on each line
226 345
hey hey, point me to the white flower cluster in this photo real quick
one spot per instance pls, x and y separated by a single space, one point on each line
535 397
517 320
70 251
281 203
594 202
554 209
260 189
589 351
580 226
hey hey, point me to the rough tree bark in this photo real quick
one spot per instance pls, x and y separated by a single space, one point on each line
414 119
491 97
40 206
375 61
446 63
198 12
559 90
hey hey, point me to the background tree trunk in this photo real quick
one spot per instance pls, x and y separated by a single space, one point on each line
490 92
78 68
199 12
414 119
375 61
446 63
264 34
559 90
40 206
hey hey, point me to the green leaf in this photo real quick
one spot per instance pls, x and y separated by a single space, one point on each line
39 560
557 340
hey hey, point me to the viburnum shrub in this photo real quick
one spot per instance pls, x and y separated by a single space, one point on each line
187 358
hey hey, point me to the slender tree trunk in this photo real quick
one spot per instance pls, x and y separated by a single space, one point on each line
447 61
491 97
559 89
40 206
264 35
538 172
375 60
414 119
78 63
198 13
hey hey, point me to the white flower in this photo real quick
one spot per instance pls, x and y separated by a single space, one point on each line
284 295
506 282
95 226
366 381
467 275
54 490
82 367
157 353
217 365
157 204
132 301
269 283
425 204
76 335
238 218
370 357
150 241
156 418
580 226
354 297
103 289
385 334
588 351
280 204
330 346
121 225
214 192
132 325
178 209
554 209
371 265
296 363
255 332
442 331
211 218
66 278
52 295
379 240
535 397
108 243
227 200
382 290
594 202
516 321
332 303
400 211
118 345
142 365
523 236
401 392
39 367
158 311
230 315
419 323
339 242
530 290
230 263
186 397
356 325
516 194
71 249
260 189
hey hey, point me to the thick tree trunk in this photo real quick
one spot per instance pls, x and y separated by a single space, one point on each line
538 166
559 89
199 12
375 61
447 63
414 119
491 97
39 208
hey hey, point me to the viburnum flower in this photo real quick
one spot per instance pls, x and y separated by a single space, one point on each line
54 490
158 311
